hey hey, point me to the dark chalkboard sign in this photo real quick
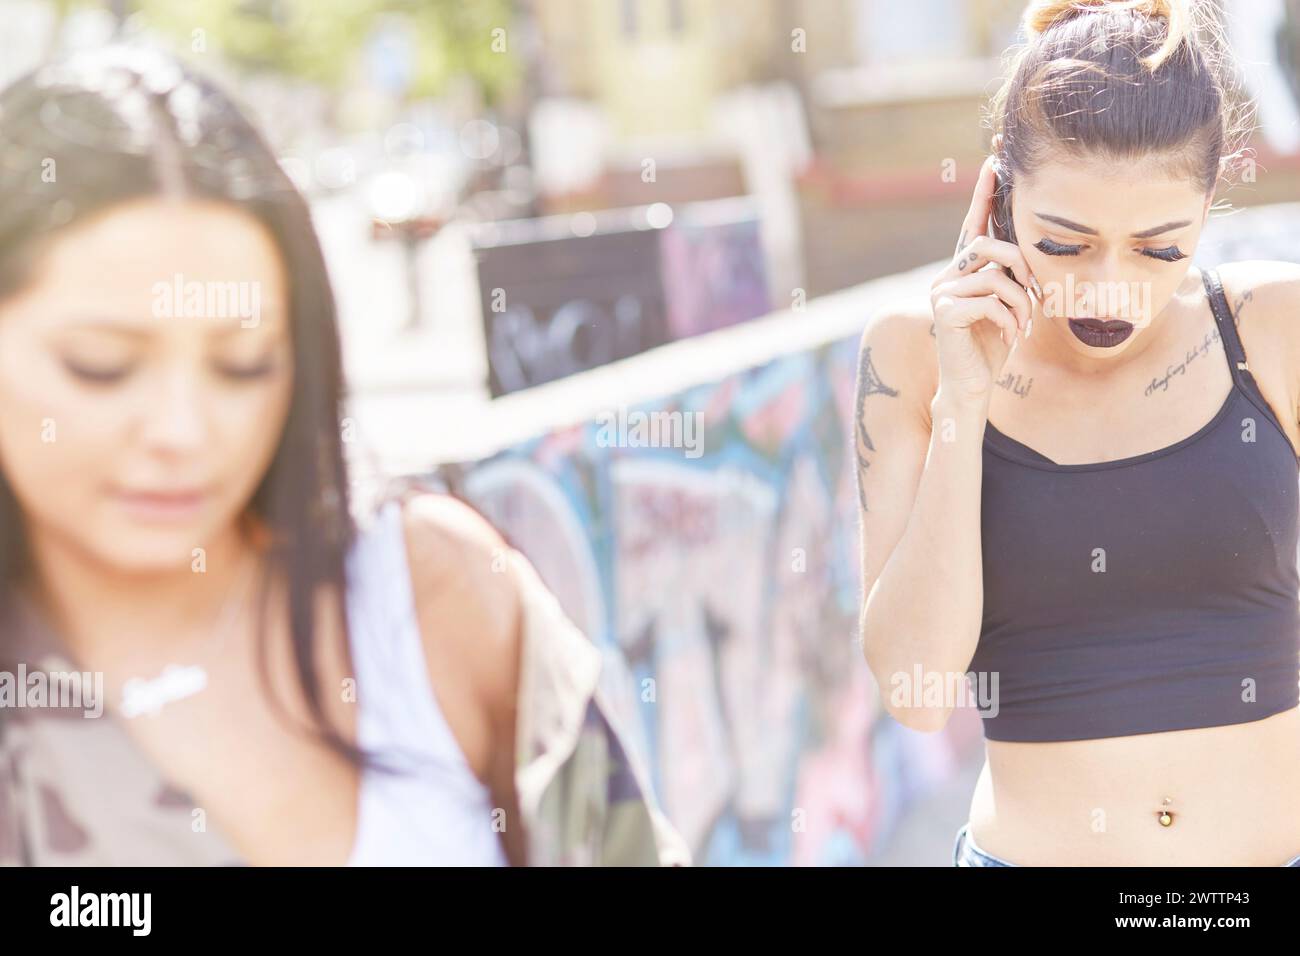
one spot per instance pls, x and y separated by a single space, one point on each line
562 294
567 293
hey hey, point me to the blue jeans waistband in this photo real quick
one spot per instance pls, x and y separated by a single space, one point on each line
965 852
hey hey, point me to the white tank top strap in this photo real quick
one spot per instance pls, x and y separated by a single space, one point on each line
435 811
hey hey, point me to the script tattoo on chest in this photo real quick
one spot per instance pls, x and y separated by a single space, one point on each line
1192 354
869 383
1012 384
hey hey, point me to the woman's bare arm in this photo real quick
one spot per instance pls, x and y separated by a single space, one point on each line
471 618
924 382
919 510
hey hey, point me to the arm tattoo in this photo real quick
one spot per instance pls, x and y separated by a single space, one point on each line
869 383
961 243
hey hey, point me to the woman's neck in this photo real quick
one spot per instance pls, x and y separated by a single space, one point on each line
100 611
1055 348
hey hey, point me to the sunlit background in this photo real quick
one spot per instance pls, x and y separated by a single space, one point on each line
539 211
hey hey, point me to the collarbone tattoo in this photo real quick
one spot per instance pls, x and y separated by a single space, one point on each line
1200 348
1012 383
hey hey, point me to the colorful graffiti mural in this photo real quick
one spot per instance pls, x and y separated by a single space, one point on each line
724 590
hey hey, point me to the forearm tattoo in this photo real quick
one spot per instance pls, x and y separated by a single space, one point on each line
869 383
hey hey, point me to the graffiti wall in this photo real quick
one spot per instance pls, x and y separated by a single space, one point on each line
721 580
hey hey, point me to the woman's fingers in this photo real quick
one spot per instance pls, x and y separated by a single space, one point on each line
985 249
981 204
993 282
962 312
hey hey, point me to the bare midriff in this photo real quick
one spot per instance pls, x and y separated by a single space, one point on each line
1232 794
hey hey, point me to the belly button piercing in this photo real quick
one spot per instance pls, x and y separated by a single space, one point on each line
1165 817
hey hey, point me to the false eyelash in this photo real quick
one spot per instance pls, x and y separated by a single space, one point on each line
1051 248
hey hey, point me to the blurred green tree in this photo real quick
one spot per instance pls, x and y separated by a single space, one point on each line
325 41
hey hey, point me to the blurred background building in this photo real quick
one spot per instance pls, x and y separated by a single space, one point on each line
539 211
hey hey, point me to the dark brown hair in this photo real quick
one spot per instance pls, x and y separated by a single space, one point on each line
1122 81
133 122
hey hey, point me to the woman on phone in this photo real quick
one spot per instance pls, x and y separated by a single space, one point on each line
267 681
1079 474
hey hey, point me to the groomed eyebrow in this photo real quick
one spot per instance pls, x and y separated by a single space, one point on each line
1088 230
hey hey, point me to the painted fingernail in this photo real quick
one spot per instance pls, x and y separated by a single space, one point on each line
1033 281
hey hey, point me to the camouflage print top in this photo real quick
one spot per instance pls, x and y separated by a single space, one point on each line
77 791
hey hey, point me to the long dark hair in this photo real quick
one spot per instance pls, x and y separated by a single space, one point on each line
127 121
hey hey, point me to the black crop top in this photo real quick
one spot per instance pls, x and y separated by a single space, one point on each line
1195 619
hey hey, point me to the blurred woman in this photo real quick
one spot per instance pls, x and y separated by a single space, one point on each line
278 685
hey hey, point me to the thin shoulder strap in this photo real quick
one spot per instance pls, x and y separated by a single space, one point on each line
1223 317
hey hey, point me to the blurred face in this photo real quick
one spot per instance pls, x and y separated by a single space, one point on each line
145 378
1109 246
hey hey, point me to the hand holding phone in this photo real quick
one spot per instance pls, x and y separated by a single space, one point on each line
1004 228
981 313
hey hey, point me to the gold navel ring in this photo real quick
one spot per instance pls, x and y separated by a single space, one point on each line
1165 816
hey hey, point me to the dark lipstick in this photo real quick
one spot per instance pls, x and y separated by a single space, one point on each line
1101 333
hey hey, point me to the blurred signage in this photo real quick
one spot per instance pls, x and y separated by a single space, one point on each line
713 268
562 294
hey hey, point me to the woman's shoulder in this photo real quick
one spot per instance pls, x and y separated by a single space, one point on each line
468 607
897 353
1263 296
906 322
442 530
1264 293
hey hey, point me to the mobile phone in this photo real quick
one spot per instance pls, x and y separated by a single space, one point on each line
1003 228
